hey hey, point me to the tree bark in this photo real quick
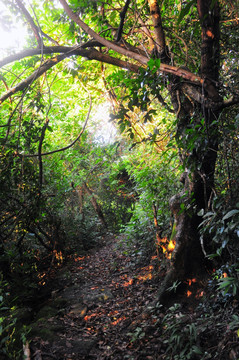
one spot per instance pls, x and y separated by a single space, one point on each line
196 111
160 43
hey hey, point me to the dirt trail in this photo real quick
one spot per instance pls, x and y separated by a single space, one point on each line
92 307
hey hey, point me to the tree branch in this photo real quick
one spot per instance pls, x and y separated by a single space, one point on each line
133 55
93 54
146 31
43 132
109 44
31 22
158 30
210 49
157 22
33 231
122 18
36 30
36 74
89 54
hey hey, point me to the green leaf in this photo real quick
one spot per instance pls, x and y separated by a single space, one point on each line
157 63
197 350
151 64
230 214
154 64
185 11
201 212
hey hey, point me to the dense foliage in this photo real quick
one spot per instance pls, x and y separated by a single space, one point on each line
167 72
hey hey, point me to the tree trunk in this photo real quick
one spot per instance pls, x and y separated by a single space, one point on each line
197 138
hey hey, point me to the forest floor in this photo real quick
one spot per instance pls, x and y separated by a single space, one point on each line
100 308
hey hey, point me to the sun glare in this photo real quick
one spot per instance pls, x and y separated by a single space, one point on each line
104 131
12 35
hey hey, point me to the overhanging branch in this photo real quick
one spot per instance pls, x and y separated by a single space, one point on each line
143 60
67 52
91 54
30 21
109 44
36 74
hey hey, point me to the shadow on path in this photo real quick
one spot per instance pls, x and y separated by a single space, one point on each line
96 300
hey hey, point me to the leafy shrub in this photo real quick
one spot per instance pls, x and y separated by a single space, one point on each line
13 333
221 226
181 336
227 280
154 186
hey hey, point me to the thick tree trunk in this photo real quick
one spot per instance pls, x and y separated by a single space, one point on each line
197 138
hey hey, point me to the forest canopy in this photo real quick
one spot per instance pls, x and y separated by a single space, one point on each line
119 116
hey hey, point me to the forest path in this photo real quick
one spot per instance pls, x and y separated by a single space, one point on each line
94 303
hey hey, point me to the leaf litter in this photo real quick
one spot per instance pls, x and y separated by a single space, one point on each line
103 317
